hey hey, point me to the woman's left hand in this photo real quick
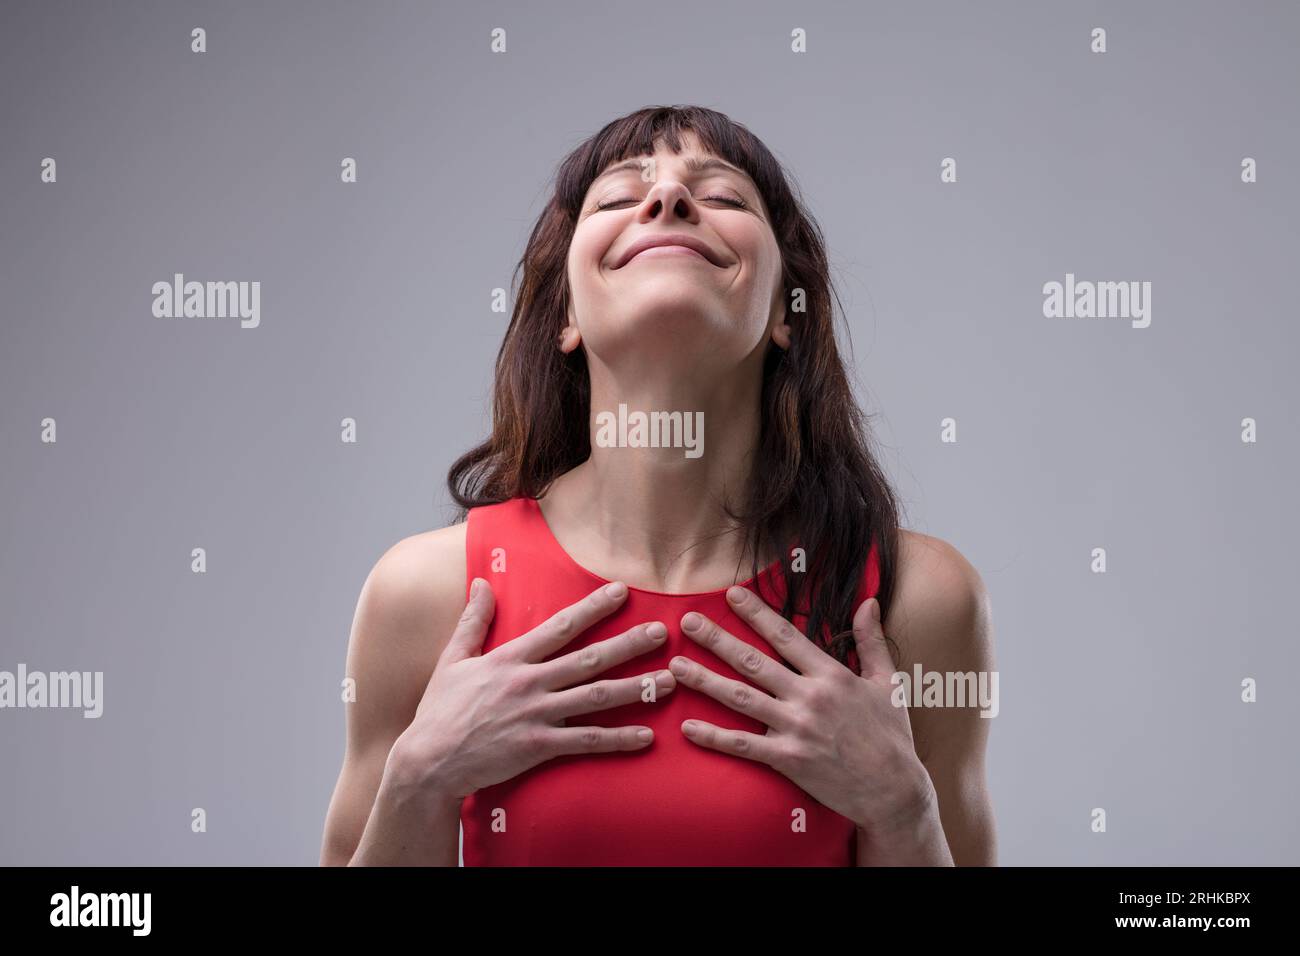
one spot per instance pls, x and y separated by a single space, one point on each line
838 736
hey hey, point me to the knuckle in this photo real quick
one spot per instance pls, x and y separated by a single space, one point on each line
742 695
751 660
785 760
532 739
590 738
843 681
738 743
599 693
799 724
589 657
820 698
532 712
563 623
517 682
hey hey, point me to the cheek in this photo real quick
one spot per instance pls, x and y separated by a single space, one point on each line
764 273
586 250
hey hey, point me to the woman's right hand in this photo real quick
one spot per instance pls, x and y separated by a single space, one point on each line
485 718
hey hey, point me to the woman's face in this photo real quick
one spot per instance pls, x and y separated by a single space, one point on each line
716 304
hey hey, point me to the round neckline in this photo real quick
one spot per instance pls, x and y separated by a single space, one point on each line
536 509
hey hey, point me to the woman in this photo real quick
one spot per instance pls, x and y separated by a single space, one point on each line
567 673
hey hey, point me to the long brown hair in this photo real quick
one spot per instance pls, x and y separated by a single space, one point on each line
816 484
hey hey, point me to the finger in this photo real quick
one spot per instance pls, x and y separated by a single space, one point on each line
806 656
738 743
869 635
581 665
467 639
564 625
739 696
558 741
605 694
745 659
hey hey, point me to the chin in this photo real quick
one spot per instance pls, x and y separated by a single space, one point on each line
670 297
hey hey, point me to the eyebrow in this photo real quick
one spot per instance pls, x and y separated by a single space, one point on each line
692 165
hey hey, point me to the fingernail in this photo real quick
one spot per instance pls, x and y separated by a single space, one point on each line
690 727
692 622
737 595
616 590
875 610
474 586
645 735
657 631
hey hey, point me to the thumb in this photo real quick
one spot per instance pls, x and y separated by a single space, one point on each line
471 629
869 635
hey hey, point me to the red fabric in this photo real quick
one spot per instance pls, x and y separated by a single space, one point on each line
672 803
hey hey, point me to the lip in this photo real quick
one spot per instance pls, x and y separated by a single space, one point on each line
669 239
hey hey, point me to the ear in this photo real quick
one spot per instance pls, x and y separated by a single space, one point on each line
570 337
780 328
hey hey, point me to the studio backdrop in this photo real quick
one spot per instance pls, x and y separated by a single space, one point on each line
1064 239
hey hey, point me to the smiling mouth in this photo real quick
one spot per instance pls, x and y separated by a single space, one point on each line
655 252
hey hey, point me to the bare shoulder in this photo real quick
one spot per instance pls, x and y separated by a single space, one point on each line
940 614
418 581
409 605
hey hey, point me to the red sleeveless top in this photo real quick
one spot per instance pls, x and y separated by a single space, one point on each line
671 803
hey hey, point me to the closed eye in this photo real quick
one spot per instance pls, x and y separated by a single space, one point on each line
737 203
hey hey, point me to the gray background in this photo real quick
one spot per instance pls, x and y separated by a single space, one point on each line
222 690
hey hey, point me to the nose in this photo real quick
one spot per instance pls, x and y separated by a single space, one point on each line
668 200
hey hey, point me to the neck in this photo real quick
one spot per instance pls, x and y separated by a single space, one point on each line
655 516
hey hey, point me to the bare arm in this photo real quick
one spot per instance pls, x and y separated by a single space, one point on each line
407 610
941 619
